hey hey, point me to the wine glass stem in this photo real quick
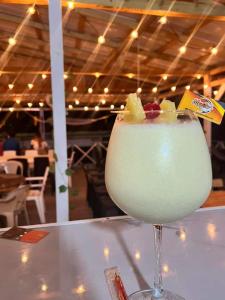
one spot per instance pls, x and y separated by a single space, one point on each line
158 289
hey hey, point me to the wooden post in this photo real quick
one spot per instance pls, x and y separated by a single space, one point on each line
206 124
59 111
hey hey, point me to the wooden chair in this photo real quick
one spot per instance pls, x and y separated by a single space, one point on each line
36 192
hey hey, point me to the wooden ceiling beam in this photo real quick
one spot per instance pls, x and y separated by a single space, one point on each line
180 9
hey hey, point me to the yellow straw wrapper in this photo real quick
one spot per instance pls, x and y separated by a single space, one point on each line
203 107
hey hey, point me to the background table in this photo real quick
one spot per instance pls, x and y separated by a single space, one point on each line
69 263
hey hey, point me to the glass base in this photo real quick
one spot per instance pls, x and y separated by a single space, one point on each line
147 295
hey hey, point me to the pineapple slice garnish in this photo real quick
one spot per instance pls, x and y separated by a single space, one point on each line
134 111
170 109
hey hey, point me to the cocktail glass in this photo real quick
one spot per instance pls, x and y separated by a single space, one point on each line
158 171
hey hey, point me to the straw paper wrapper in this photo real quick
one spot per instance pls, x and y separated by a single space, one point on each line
204 107
115 284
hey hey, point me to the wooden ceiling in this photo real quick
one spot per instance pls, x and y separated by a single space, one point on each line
122 63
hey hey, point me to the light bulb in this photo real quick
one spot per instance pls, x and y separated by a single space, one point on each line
112 106
139 90
198 76
187 87
70 106
31 10
43 76
90 90
103 101
182 49
29 104
74 88
77 102
163 20
134 34
101 39
130 75
96 107
165 77
12 41
215 93
41 104
30 86
70 4
11 86
65 76
86 108
122 106
155 89
80 289
18 101
97 74
106 90
214 51
173 88
11 109
205 86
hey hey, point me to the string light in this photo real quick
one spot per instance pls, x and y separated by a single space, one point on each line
155 89
90 90
77 102
97 74
96 108
122 106
198 76
173 88
101 39
163 20
65 76
130 75
70 106
41 104
139 90
106 90
182 49
18 101
29 104
70 4
205 86
165 77
74 89
11 109
103 101
112 106
31 10
86 108
30 86
134 34
43 76
214 51
215 93
11 86
187 87
12 41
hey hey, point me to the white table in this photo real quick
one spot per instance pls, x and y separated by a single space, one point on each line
72 259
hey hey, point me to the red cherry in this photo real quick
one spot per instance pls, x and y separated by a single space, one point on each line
152 110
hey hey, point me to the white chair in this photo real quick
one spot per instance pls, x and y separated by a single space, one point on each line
31 153
13 204
9 153
36 192
12 166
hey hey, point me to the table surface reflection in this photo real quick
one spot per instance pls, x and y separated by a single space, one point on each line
70 262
